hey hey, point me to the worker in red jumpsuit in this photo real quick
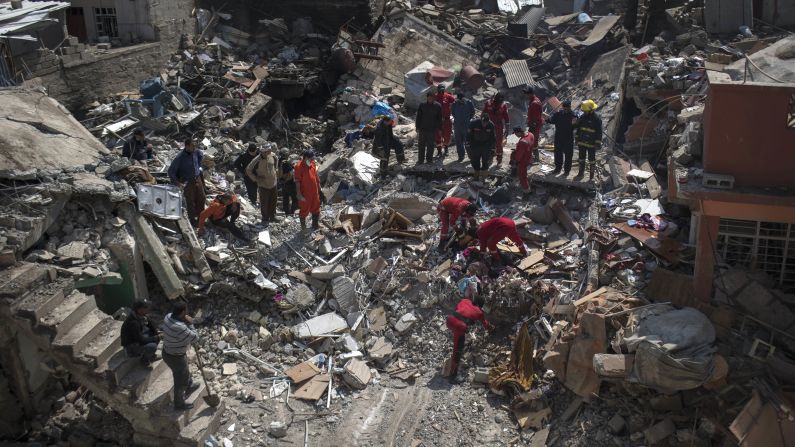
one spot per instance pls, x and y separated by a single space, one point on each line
496 229
522 157
450 211
497 110
535 117
444 134
308 185
466 314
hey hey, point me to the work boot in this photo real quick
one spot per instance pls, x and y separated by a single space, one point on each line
182 406
581 172
315 221
303 222
593 170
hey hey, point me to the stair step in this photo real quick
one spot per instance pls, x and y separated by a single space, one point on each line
157 391
81 334
19 280
201 425
182 418
138 379
40 302
104 345
65 315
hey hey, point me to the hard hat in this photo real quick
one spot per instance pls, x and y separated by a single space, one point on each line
588 105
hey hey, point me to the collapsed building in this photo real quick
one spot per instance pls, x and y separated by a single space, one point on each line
655 305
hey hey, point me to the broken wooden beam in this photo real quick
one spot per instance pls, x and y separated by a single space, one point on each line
196 252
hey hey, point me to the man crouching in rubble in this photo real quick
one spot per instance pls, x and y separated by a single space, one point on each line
139 336
178 334
466 313
185 172
223 212
308 185
451 210
492 231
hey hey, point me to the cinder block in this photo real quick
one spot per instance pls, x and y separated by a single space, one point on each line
720 181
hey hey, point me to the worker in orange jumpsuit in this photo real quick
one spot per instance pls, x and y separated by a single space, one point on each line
308 184
497 110
223 212
465 315
444 134
522 157
492 231
450 210
535 117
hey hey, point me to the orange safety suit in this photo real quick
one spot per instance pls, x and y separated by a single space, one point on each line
308 183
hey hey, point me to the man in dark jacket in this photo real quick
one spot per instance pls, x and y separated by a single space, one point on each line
137 149
482 139
427 123
139 336
241 163
589 136
185 172
384 141
463 111
287 183
563 120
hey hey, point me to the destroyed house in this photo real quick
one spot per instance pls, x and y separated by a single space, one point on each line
743 202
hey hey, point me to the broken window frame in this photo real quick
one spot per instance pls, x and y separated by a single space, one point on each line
765 246
106 22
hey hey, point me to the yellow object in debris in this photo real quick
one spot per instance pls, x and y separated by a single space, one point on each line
518 372
588 105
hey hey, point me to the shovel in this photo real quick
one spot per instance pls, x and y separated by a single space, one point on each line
210 399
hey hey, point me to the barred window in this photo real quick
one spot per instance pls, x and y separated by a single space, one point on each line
765 246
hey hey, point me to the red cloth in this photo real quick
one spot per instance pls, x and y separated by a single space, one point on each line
494 230
450 210
498 114
523 155
535 117
309 186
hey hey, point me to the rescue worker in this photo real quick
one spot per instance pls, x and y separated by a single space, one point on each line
466 313
445 99
138 149
263 170
535 117
428 121
463 111
589 136
139 336
223 211
522 157
185 172
450 210
384 141
178 335
481 140
497 110
563 120
241 163
308 184
492 231
287 183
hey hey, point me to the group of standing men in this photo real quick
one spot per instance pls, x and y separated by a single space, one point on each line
482 138
263 175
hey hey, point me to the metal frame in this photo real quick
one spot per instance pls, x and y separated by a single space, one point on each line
767 246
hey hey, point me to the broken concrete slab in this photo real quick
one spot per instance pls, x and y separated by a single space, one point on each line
365 167
381 351
375 267
613 365
343 289
329 323
326 272
229 369
659 431
413 206
405 323
357 374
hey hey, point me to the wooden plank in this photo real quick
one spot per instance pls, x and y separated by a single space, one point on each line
302 371
314 389
666 248
531 260
590 296
564 217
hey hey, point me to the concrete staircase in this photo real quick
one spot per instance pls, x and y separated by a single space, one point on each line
86 342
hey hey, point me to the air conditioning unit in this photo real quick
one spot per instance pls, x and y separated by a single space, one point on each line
719 181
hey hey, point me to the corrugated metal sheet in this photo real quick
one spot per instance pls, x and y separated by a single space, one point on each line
517 72
30 16
531 18
600 30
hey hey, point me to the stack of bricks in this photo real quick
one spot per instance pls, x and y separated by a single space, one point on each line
37 63
72 51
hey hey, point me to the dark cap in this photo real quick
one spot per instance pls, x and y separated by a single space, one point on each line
430 93
459 95
518 129
141 304
138 132
252 147
441 88
566 103
309 153
499 96
529 90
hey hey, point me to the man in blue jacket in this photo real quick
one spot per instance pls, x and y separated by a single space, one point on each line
463 112
185 172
